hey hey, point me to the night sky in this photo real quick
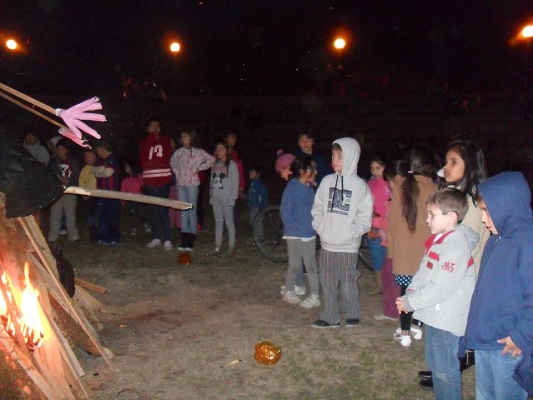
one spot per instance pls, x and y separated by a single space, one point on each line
260 46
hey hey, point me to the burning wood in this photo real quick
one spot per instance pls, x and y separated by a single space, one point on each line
30 321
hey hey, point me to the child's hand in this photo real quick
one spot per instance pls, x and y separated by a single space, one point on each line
510 346
400 306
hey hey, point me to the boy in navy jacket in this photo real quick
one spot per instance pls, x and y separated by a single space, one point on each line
257 195
500 322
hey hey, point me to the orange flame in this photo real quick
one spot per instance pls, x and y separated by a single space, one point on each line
5 317
30 321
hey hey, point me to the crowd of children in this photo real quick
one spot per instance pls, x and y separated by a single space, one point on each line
454 263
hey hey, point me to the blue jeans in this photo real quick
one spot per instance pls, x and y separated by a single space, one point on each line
189 219
108 214
494 376
159 218
378 253
441 358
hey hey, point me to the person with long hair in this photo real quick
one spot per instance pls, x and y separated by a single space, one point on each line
408 231
224 193
185 163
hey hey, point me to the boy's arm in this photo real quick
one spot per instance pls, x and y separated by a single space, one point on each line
447 275
317 211
522 334
363 219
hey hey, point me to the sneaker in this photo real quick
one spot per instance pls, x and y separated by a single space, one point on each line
154 243
321 324
383 317
147 228
311 302
215 252
63 232
167 245
291 298
351 322
187 249
415 333
250 241
404 340
299 290
181 248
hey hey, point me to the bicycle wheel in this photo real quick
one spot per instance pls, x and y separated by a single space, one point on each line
364 253
268 234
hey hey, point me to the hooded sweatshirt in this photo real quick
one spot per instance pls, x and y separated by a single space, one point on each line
502 303
441 290
342 210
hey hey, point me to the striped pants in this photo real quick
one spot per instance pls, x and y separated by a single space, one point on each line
338 272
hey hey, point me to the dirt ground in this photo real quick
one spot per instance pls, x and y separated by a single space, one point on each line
174 329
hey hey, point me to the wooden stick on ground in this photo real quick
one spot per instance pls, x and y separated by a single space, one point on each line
90 286
139 198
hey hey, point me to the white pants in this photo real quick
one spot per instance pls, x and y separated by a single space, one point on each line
66 203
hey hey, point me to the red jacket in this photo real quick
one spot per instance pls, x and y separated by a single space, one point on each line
154 157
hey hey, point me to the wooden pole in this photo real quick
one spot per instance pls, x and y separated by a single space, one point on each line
32 110
27 98
138 198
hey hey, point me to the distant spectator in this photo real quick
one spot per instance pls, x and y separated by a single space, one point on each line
36 149
154 157
67 169
306 143
107 178
88 181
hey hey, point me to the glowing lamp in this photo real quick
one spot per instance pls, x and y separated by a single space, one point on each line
11 44
175 47
339 43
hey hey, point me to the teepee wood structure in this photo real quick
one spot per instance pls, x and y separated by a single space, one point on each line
45 354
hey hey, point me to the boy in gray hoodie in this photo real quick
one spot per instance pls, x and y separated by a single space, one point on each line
441 290
342 213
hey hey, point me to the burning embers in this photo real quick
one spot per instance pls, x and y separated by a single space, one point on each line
27 314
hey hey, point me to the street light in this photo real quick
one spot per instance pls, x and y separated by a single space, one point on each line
339 44
11 44
175 47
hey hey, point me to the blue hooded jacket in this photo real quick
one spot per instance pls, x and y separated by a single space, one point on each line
502 303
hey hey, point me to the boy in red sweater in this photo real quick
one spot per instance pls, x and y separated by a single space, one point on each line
155 153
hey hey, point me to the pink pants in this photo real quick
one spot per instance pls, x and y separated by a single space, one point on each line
390 291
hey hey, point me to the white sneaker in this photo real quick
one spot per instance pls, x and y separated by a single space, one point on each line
299 290
167 245
147 228
63 232
404 340
154 243
291 298
416 333
311 302
383 317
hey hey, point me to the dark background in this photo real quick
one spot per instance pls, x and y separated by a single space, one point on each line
260 47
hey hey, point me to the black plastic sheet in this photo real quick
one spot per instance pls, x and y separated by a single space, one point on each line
28 185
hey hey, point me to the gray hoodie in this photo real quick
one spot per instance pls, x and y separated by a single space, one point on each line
343 206
441 290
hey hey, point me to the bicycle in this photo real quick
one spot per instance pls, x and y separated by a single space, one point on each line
268 237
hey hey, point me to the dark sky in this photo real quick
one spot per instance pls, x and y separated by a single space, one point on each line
260 46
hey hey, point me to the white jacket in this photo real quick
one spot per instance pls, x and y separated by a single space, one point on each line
343 206
442 288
